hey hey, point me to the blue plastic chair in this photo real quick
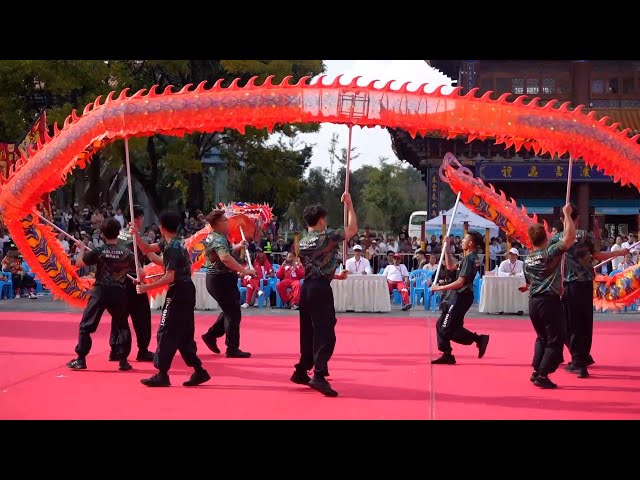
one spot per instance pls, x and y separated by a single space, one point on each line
7 286
243 292
477 283
417 286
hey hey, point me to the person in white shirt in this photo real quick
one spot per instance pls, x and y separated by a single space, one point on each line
120 217
398 278
494 251
63 241
628 243
358 265
617 261
511 267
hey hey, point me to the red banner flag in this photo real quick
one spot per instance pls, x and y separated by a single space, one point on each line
35 133
8 156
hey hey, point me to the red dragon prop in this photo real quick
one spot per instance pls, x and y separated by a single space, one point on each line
543 129
485 201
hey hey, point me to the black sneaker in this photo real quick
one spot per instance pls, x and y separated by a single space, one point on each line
77 364
571 368
124 366
144 356
197 378
583 372
544 382
113 356
322 386
590 361
533 377
445 359
237 353
406 307
482 343
156 381
300 377
211 343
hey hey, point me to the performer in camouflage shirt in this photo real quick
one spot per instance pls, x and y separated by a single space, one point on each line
318 250
113 263
542 274
222 284
578 296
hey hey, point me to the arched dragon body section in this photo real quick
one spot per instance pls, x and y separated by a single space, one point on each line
483 200
542 129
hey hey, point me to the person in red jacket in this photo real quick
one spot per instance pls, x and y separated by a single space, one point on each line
263 269
290 274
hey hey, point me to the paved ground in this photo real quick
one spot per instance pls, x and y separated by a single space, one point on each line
47 304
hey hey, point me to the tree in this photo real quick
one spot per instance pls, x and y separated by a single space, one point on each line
160 162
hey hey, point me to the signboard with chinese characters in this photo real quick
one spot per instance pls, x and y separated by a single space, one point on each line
539 171
433 192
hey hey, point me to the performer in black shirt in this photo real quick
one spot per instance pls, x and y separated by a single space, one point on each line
450 325
177 324
139 309
113 263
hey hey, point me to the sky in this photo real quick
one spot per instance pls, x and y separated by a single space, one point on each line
371 143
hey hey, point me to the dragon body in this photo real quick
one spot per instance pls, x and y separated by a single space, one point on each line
199 109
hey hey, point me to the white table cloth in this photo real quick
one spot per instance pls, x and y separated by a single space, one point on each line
361 293
501 294
204 301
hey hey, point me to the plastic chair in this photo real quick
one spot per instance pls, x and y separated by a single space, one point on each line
7 286
28 271
477 283
417 286
243 292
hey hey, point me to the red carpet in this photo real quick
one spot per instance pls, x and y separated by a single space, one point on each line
380 369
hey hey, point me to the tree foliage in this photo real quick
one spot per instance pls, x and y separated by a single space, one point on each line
160 162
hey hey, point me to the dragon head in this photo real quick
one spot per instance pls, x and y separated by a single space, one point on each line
260 212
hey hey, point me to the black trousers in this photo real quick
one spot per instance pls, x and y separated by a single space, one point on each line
114 301
450 325
224 288
578 313
177 328
317 326
140 313
546 315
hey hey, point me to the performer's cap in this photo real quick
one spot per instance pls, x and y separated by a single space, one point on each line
514 251
357 247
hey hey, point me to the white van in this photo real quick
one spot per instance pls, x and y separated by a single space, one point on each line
415 223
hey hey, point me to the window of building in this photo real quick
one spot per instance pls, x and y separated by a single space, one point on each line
502 85
597 86
533 86
548 86
627 85
517 86
486 84
613 85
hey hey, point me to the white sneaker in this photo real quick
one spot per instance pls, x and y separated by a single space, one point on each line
33 296
260 293
18 297
244 305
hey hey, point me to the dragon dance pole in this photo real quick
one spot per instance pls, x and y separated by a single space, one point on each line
567 199
345 249
246 250
453 216
71 237
135 241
